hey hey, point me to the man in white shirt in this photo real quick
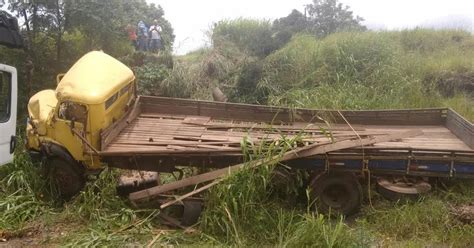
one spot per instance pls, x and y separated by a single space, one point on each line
155 36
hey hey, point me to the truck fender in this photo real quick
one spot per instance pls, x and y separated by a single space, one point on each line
54 150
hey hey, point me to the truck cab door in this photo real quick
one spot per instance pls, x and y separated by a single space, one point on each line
8 102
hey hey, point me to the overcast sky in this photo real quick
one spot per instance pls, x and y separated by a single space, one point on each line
191 19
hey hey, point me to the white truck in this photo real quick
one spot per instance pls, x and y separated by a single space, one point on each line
9 37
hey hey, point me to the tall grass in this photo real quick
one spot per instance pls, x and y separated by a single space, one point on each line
24 194
243 210
106 218
371 70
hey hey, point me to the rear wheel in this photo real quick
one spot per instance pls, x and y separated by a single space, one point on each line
336 193
185 214
191 212
66 177
402 188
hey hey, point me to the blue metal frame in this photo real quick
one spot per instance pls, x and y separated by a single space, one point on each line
390 166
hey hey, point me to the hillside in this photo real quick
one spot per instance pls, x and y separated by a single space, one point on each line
353 70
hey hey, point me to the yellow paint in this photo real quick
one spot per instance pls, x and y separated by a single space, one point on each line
93 79
91 82
40 107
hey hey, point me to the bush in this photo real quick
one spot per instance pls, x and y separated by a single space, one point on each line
246 88
150 80
199 72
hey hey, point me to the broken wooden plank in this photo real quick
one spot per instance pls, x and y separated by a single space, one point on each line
358 143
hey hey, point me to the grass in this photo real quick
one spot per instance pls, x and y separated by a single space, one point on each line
240 212
371 70
23 194
428 222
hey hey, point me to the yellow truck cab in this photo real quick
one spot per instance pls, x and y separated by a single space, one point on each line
65 124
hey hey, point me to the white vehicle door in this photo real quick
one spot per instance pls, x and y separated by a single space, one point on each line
8 102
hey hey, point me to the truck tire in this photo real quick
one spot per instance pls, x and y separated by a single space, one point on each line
191 213
66 177
402 189
336 193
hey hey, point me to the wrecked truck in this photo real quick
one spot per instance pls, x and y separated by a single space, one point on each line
94 118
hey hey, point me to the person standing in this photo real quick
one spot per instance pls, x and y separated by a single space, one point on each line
142 36
155 36
132 36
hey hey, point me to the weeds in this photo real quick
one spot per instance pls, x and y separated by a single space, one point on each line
243 211
107 218
24 194
427 222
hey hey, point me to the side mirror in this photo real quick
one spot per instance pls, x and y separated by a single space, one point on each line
59 77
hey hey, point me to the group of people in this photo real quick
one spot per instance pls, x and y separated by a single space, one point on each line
145 38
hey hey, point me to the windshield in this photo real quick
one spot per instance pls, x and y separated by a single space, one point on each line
73 112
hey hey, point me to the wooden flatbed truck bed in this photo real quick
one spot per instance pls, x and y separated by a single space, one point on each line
160 133
400 148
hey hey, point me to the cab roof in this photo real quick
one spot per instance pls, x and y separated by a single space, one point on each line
93 79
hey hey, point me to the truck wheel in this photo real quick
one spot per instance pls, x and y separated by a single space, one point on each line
401 188
66 177
185 214
191 213
336 193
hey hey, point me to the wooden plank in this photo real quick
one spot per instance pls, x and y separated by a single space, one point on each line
197 120
256 112
461 127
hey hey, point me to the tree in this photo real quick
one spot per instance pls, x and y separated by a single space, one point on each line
330 16
295 22
103 22
284 28
43 22
58 32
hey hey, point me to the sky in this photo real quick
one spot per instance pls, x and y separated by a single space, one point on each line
191 20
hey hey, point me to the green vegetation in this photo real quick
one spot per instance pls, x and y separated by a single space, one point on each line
350 70
295 62
58 33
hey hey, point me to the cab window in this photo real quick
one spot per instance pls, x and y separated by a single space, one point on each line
126 89
5 96
72 112
111 100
